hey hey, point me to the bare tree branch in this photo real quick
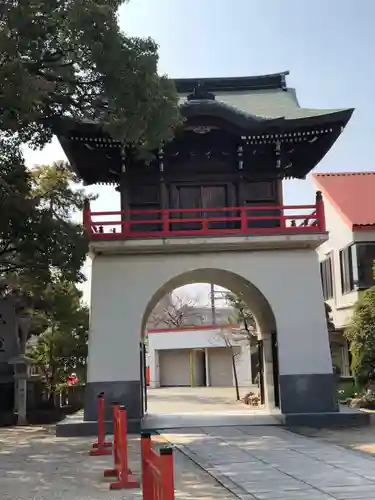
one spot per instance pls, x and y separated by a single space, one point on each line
174 312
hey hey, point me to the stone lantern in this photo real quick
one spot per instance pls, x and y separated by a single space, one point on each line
22 365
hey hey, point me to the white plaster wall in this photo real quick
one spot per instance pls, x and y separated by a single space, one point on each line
340 236
243 367
193 339
123 287
365 236
188 339
154 365
114 331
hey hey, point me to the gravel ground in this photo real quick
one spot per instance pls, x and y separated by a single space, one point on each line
36 465
355 438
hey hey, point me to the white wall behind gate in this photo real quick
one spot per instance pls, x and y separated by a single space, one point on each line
188 338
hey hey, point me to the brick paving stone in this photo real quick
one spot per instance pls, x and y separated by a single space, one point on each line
279 465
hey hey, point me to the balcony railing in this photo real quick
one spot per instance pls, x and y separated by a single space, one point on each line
168 223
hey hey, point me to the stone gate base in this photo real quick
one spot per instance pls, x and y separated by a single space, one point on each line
75 426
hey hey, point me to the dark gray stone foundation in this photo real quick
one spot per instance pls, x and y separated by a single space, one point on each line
125 393
305 394
345 417
306 400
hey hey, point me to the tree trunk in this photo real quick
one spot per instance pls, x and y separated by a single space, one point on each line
235 375
251 368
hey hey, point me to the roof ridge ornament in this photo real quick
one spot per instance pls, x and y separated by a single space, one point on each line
200 93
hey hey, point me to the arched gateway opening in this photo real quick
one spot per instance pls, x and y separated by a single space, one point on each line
125 289
265 339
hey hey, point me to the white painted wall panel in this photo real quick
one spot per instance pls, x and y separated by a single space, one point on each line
174 368
125 286
340 236
188 339
220 366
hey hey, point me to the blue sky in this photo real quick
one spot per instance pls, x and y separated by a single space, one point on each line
327 45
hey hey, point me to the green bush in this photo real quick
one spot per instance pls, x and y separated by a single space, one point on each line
361 336
347 390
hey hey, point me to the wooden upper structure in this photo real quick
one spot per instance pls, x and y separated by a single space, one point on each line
239 139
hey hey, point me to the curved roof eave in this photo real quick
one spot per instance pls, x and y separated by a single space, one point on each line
212 108
218 109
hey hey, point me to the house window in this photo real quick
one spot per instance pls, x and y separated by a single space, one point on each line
346 268
327 279
365 253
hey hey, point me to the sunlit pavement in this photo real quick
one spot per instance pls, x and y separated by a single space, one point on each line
35 465
272 463
197 400
178 407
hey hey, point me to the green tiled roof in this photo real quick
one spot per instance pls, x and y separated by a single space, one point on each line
269 104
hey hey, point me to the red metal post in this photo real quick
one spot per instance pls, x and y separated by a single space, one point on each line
147 485
101 446
126 480
125 227
167 473
243 214
320 212
113 472
165 219
283 218
157 471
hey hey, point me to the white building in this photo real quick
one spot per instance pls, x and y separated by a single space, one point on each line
347 257
197 357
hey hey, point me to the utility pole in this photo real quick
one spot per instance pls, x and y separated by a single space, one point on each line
213 309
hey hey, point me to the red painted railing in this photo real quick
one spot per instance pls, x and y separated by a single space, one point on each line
133 224
157 471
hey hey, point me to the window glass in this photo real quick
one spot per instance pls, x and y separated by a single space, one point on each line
365 264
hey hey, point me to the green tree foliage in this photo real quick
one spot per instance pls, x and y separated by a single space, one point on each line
38 237
62 347
66 59
328 312
361 335
16 208
69 58
242 315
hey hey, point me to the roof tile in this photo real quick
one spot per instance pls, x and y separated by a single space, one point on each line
352 194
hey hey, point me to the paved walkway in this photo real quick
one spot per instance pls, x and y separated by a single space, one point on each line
195 399
269 463
36 465
264 463
174 407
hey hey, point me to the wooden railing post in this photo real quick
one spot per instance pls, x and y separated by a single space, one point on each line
243 213
86 216
165 221
320 212
157 471
147 483
115 411
283 218
100 446
125 478
172 222
125 226
167 473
